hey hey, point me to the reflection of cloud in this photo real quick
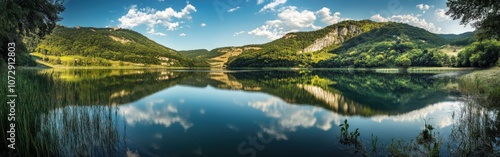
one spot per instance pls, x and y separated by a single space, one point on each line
436 112
272 131
325 121
292 117
155 112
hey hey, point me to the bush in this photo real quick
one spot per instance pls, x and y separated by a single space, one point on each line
479 54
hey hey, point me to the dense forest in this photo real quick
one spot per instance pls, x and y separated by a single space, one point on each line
96 44
480 54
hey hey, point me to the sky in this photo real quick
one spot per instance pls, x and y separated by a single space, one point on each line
208 24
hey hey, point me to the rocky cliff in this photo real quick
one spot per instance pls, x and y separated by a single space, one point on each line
336 36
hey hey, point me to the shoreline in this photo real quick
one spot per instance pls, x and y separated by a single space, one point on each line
42 66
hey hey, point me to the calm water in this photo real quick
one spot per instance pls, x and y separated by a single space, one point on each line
241 113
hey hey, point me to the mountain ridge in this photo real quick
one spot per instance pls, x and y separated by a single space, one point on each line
345 44
90 45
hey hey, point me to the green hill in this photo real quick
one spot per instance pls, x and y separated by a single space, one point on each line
303 48
353 44
219 57
456 36
393 45
200 53
463 39
101 46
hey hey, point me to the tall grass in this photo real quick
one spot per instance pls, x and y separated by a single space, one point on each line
48 124
476 131
483 87
477 128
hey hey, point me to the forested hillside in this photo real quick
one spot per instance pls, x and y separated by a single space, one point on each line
346 44
356 44
97 45
395 44
303 48
200 53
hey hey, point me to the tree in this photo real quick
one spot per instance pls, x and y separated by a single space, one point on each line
480 54
403 61
22 18
485 15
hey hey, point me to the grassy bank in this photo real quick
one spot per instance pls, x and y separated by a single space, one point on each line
483 86
79 62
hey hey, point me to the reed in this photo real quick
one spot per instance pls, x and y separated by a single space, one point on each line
48 124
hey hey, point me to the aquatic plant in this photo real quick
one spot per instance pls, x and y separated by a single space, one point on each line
347 137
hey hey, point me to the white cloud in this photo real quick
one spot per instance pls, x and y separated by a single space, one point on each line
409 19
379 18
182 35
152 17
297 19
170 26
260 2
423 7
233 9
271 6
203 25
270 32
326 16
441 15
289 20
153 32
238 33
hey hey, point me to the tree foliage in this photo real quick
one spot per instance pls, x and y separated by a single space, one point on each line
21 18
480 54
484 15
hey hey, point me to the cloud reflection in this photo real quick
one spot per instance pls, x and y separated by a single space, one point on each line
289 118
439 113
154 112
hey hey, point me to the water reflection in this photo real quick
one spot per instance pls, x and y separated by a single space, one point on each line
476 131
205 113
439 112
154 112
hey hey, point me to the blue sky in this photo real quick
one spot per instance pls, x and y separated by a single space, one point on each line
207 24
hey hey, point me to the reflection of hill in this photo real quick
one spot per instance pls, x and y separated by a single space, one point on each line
338 102
99 87
393 93
364 94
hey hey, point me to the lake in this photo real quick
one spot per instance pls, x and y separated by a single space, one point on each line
263 113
